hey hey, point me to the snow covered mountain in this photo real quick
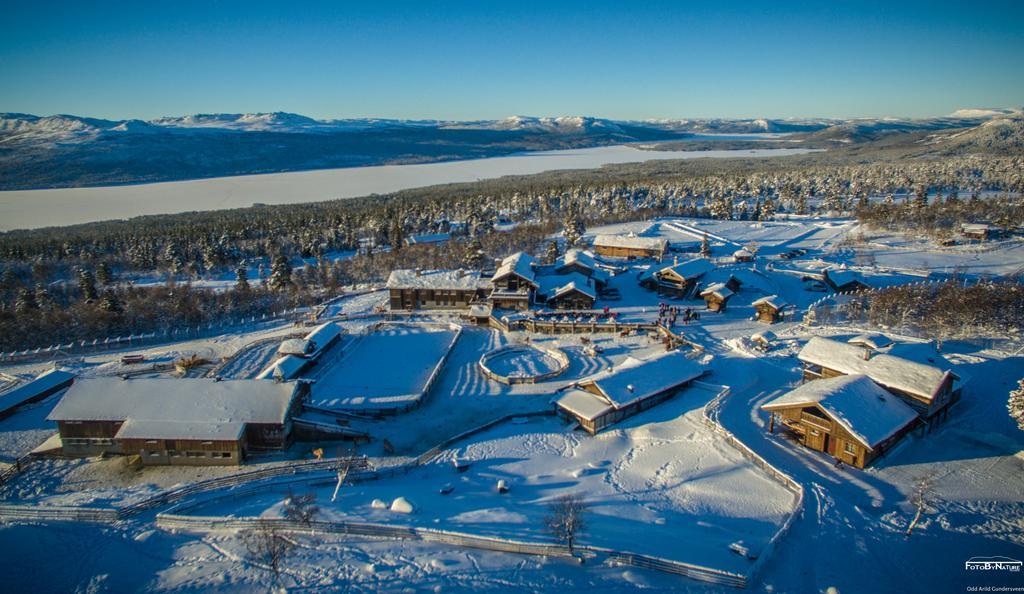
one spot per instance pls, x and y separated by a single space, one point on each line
68 150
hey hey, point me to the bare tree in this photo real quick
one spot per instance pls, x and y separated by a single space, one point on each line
565 519
267 546
921 498
300 508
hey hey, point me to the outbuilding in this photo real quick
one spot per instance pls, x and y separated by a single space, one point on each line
850 417
634 386
630 246
770 309
717 296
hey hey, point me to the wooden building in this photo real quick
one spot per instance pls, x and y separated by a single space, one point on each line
850 417
44 385
716 296
514 283
927 388
680 279
632 387
566 291
197 422
630 246
842 280
976 231
770 309
581 262
435 289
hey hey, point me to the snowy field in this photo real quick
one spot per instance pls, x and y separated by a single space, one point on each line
26 209
658 482
387 368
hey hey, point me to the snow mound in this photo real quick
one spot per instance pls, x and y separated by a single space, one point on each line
401 505
378 504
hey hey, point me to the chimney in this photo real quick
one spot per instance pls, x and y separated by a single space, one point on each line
629 387
675 261
867 353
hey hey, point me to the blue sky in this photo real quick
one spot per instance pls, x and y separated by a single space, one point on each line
489 59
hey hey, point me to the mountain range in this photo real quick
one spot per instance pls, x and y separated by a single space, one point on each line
66 150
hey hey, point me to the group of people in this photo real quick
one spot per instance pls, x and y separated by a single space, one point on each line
667 314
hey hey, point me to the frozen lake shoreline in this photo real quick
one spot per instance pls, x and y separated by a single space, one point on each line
30 209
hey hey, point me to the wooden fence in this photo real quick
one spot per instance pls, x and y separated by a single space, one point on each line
560 357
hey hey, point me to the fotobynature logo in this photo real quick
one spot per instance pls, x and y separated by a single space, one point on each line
993 564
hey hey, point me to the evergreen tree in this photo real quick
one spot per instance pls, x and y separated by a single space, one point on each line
474 257
574 228
552 253
801 204
43 298
1016 404
768 209
705 247
110 302
104 276
395 235
242 274
280 273
87 284
26 302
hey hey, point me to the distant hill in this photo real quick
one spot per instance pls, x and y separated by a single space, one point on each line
67 150
1001 135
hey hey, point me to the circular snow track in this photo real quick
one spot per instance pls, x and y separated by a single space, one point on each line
523 364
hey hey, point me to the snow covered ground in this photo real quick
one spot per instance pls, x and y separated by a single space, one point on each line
660 482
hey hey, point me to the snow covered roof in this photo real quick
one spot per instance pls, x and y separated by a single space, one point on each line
324 334
872 341
144 429
576 256
974 227
176 403
520 263
631 242
575 286
584 404
42 383
766 336
718 290
294 346
890 371
691 269
428 238
448 280
743 253
627 384
773 300
858 404
551 284
285 368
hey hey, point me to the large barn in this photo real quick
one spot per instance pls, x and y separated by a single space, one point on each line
176 421
435 289
630 246
928 389
849 417
635 386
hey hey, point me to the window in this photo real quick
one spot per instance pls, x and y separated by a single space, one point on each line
849 448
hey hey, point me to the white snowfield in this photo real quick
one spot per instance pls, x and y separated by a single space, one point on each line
660 482
28 209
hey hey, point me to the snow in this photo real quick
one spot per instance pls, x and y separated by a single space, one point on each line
718 289
864 409
520 263
627 384
631 241
389 367
25 209
46 381
183 401
772 300
401 505
584 404
461 280
889 370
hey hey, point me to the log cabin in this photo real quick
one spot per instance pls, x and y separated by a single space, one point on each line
743 255
576 260
630 388
928 389
842 280
567 291
717 296
680 279
770 309
630 247
849 417
976 231
196 422
514 283
435 289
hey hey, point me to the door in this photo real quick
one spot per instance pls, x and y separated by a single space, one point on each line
814 439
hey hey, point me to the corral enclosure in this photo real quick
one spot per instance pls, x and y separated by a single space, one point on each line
389 368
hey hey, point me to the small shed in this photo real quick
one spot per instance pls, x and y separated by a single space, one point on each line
764 340
743 255
717 296
770 309
976 231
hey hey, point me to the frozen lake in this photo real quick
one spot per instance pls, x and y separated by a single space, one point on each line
29 209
